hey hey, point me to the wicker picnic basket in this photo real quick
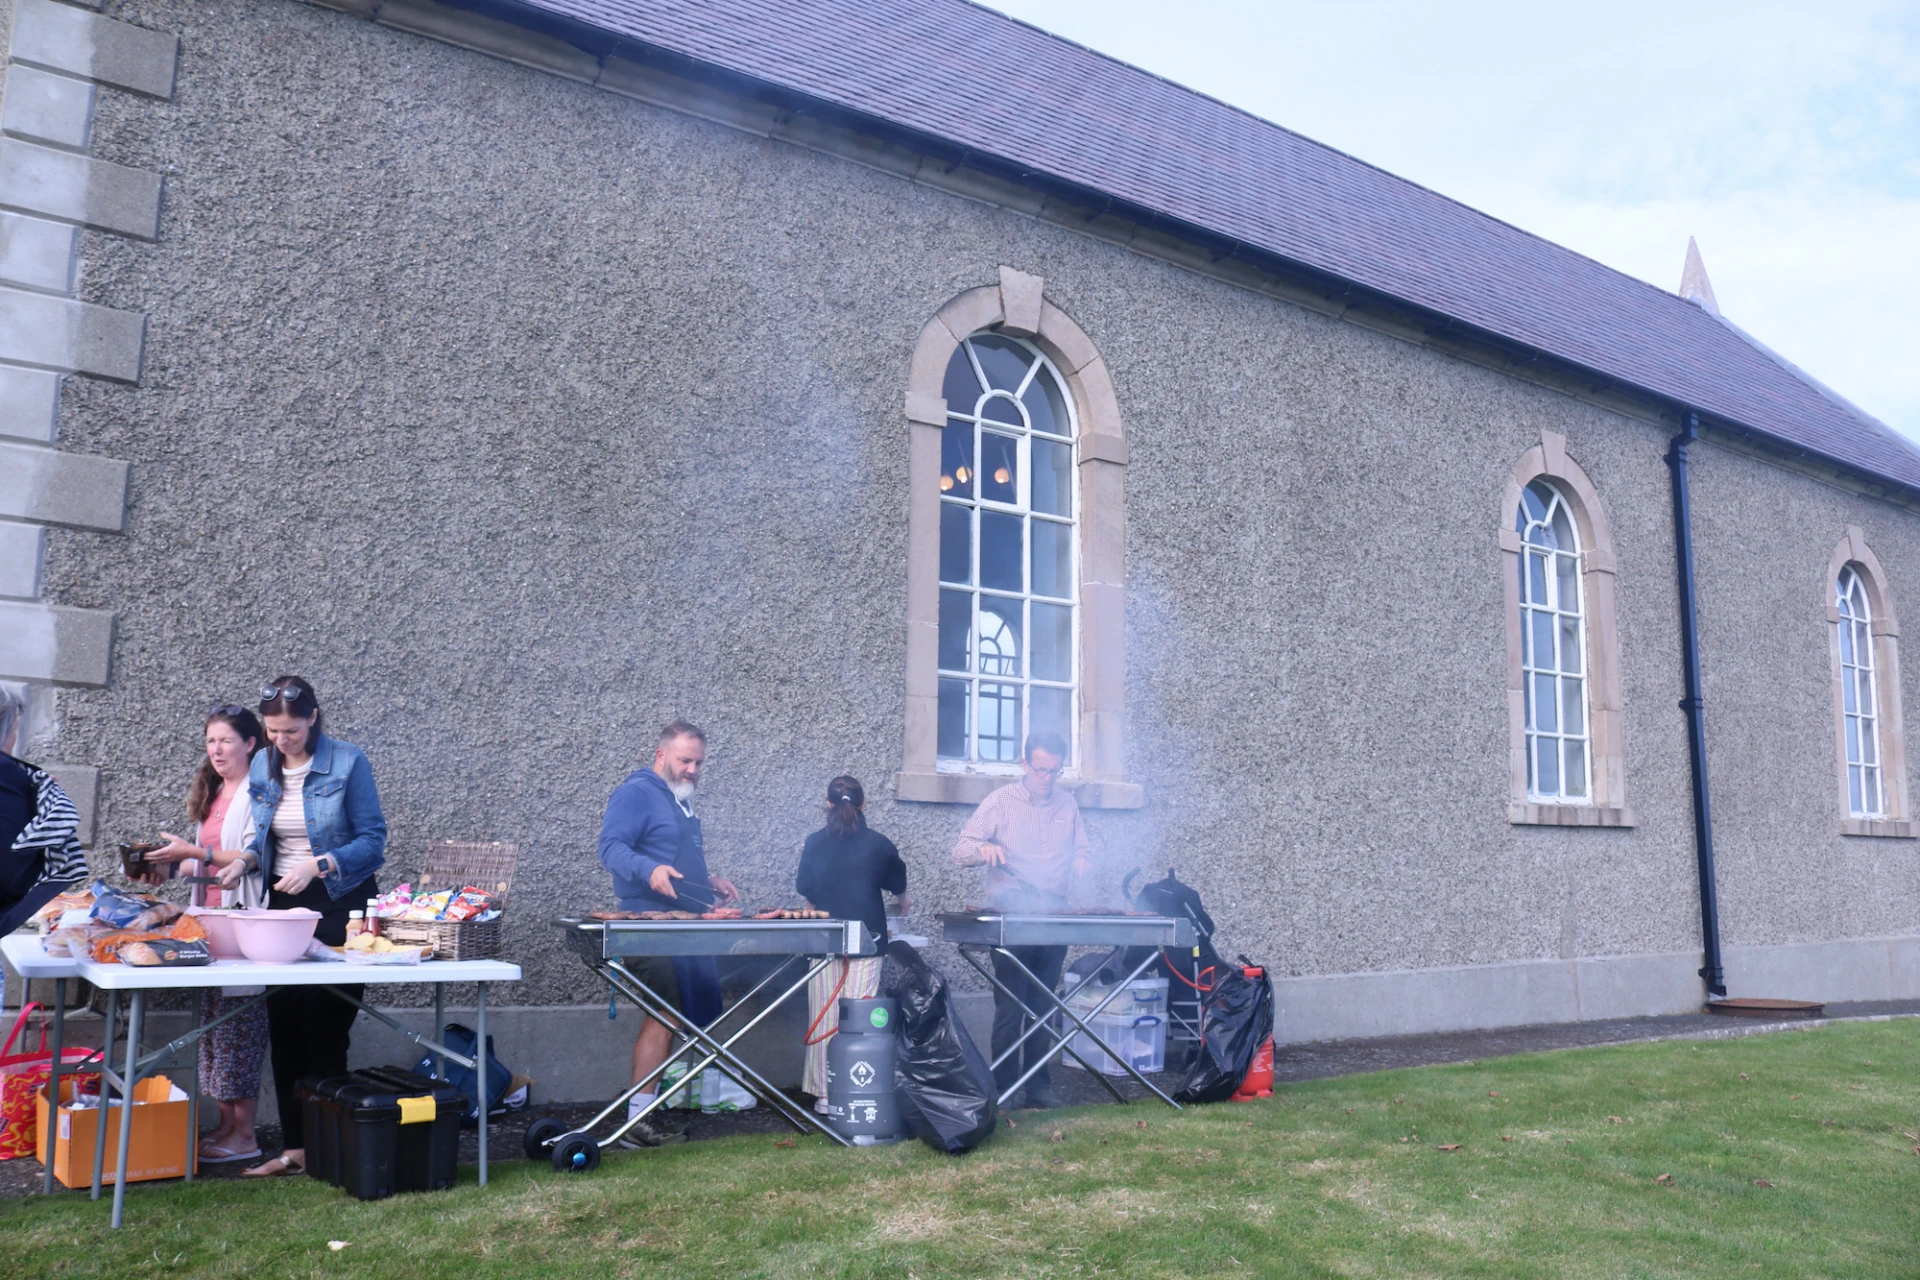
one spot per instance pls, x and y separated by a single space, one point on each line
453 864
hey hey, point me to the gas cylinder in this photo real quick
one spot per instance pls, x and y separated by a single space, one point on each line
862 1106
1259 1079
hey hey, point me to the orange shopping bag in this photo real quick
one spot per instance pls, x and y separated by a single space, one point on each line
22 1076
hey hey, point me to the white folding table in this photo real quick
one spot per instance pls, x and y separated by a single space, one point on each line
24 953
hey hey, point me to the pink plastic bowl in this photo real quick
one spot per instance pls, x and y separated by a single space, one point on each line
219 926
274 937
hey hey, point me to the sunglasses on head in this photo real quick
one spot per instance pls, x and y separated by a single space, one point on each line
226 709
291 692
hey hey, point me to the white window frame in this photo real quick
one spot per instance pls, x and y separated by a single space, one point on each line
1554 607
1021 507
1861 742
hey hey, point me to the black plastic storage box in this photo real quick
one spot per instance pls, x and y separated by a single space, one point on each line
382 1130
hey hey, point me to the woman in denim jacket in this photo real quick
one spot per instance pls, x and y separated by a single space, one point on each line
319 837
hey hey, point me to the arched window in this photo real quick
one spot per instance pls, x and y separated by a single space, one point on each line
1859 698
1871 752
1008 507
1016 551
1568 765
1553 648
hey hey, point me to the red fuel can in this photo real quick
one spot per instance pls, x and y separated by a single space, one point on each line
1259 1079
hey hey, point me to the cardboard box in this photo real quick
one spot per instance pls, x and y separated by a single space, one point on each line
158 1148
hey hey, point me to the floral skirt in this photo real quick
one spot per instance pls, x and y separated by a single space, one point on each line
231 1053
862 983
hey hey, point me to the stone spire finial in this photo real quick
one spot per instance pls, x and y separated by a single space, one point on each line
1694 285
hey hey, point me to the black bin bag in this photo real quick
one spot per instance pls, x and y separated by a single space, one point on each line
1236 1017
946 1087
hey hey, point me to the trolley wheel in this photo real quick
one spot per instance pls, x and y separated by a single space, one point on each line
576 1153
540 1135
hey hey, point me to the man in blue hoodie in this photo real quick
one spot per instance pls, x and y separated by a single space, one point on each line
651 843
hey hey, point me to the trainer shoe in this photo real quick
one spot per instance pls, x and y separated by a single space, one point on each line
649 1134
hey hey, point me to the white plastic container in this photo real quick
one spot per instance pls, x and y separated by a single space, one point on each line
1139 1038
1143 995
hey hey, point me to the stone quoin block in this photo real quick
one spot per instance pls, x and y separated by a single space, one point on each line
47 107
50 487
20 547
77 188
54 643
62 38
28 399
35 253
74 337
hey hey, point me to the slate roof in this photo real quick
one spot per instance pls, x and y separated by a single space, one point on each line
978 79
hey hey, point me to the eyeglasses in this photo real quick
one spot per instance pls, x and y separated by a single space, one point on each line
226 709
1045 773
291 692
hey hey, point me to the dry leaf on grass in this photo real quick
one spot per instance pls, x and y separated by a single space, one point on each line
1449 1146
336 1245
783 1142
1139 1124
1916 1150
1506 1137
1664 1178
1615 1120
1059 1135
1493 1093
1761 1182
1744 1076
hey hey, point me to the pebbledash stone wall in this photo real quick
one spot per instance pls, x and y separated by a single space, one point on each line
523 416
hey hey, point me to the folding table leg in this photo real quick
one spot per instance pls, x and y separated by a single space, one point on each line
480 1074
106 1064
193 1074
53 1079
138 1006
439 1025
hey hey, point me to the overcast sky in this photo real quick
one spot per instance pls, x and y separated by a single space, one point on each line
1785 137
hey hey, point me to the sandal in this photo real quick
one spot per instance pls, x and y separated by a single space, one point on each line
211 1153
278 1167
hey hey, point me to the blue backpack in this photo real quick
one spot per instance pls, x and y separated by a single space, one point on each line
461 1040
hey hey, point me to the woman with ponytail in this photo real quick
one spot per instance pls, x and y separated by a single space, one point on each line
231 1053
844 868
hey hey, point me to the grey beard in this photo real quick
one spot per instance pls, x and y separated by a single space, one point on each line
682 791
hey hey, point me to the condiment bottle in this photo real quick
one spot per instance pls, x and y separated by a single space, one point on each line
356 924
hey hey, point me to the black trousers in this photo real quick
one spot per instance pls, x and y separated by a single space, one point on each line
1009 1020
309 1028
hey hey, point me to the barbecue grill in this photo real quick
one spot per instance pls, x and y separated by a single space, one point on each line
996 931
606 945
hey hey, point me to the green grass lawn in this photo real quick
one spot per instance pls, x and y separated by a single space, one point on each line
1779 1155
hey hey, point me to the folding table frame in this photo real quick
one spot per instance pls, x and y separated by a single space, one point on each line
21 952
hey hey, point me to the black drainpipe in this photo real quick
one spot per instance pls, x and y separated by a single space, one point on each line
1691 704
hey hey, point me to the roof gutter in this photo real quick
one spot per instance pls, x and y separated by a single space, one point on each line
1693 705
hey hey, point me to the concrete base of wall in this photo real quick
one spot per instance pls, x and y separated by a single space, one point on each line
576 1053
1351 1006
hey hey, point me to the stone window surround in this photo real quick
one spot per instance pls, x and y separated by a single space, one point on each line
1017 306
1898 823
1598 568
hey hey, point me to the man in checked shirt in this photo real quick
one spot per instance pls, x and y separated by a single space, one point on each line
1029 836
